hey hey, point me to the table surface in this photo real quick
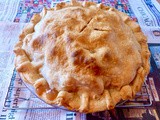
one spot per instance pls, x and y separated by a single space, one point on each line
22 12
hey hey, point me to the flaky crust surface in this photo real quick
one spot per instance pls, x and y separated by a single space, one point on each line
82 55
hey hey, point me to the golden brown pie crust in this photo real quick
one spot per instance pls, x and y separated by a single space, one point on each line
82 55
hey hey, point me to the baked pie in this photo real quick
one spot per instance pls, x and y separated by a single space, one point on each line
83 56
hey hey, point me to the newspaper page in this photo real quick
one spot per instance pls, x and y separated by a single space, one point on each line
152 33
8 37
8 9
148 15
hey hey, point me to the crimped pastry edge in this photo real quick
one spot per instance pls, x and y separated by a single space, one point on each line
109 99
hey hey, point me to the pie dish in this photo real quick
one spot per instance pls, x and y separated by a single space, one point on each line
83 56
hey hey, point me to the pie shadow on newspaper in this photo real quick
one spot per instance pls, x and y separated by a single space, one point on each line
83 56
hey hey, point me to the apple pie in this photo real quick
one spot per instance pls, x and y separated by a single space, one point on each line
83 56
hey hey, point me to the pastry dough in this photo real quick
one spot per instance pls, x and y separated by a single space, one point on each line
83 56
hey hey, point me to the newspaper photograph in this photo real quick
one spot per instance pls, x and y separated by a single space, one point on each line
152 33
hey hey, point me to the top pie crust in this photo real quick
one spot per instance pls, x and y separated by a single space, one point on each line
82 55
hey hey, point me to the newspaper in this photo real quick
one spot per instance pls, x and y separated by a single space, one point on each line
8 9
148 15
152 33
8 37
17 102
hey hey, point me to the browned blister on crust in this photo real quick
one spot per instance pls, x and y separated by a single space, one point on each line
83 56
